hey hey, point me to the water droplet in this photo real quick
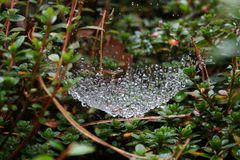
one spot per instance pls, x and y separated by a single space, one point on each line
132 94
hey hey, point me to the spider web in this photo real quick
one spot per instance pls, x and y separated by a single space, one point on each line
131 94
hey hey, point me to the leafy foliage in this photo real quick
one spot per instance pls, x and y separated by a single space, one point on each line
50 40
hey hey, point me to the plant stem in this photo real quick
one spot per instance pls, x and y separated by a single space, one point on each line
37 125
6 138
183 147
107 6
8 23
63 155
101 42
202 66
94 43
27 9
11 63
15 153
234 68
44 43
150 119
67 37
19 116
81 3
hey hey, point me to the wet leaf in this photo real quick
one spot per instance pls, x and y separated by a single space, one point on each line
54 57
80 149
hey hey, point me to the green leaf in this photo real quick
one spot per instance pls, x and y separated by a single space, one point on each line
215 143
190 71
74 45
140 149
67 56
186 131
37 44
49 15
58 26
43 157
216 157
1 25
36 106
3 96
33 1
2 36
76 58
17 29
85 9
80 149
10 81
54 57
180 96
69 137
16 18
93 27
1 79
201 106
56 145
19 41
24 126
165 153
12 107
49 133
236 152
3 1
69 28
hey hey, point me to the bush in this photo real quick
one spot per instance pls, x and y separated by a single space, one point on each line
42 43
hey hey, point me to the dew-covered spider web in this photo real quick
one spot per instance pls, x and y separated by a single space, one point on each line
131 94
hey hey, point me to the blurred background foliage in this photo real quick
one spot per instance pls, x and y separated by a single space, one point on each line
137 33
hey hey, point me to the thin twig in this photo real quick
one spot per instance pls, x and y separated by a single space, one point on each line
81 128
150 119
8 23
44 43
202 66
64 154
69 23
101 41
67 37
11 62
80 6
95 41
27 9
107 6
19 148
231 86
183 147
34 131
101 25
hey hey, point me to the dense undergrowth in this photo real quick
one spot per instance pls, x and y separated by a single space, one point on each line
42 41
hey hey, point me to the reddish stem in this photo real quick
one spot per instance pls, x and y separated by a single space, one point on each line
44 42
101 41
8 23
81 3
67 37
14 154
37 125
202 67
11 63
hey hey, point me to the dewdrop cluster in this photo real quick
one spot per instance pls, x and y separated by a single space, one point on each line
131 94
